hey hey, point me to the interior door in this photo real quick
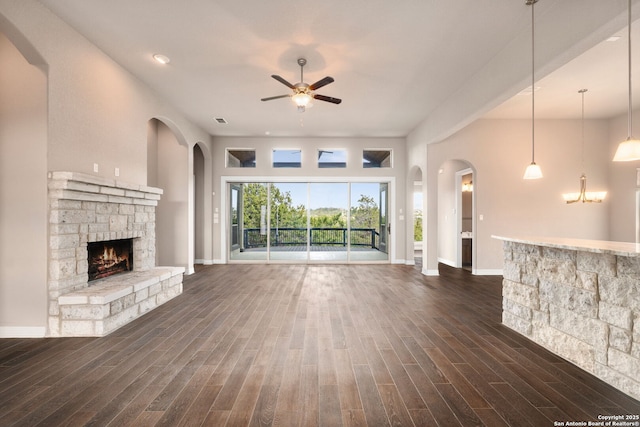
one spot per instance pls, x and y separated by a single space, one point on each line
385 227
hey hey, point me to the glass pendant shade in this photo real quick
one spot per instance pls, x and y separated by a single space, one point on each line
302 99
628 150
533 171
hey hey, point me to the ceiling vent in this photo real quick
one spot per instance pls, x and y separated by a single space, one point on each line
221 120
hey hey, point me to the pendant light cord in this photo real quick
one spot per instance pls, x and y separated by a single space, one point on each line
582 91
533 80
629 56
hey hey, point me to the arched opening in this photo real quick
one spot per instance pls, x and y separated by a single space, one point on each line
199 204
23 195
168 169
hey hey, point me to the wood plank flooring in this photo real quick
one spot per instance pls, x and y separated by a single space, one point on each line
306 345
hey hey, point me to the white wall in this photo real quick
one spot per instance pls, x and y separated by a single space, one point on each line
499 151
310 147
23 195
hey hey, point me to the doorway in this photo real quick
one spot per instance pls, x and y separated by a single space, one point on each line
465 222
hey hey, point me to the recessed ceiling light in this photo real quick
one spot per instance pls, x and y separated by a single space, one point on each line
220 120
613 39
161 58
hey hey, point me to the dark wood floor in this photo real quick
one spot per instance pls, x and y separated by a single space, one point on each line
305 345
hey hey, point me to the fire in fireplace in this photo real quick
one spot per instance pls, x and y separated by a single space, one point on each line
109 258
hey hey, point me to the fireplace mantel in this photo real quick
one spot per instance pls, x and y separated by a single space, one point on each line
85 208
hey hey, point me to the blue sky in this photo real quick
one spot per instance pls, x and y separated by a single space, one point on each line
329 195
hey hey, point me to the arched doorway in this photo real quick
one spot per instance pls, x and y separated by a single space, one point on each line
202 205
198 204
168 169
416 233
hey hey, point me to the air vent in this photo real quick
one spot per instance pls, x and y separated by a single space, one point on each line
221 120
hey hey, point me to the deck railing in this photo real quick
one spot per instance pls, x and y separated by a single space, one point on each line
318 236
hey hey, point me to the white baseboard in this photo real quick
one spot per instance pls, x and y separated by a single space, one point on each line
22 331
447 262
410 262
488 272
427 272
203 261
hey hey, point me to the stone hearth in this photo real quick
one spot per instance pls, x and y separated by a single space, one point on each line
85 208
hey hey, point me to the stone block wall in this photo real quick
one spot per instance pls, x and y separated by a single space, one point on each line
85 208
581 305
99 310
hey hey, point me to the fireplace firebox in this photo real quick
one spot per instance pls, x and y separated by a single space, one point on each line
109 257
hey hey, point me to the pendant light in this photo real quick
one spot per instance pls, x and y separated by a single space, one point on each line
584 196
629 149
533 171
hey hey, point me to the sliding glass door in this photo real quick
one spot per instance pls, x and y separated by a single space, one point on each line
248 221
308 222
288 239
368 226
328 208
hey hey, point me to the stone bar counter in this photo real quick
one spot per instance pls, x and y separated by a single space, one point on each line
579 299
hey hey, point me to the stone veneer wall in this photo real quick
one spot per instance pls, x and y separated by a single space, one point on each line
583 306
85 208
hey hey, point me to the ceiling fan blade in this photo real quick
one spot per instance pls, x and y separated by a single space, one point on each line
327 99
275 97
283 81
320 83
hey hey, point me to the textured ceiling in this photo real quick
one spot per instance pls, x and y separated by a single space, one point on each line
393 62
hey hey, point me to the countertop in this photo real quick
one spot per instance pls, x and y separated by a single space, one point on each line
597 246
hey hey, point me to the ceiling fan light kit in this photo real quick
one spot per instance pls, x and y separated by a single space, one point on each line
303 93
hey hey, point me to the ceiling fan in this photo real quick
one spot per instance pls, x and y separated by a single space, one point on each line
303 93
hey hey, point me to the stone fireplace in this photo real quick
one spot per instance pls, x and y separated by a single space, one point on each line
86 211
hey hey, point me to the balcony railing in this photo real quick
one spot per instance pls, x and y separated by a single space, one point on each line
318 236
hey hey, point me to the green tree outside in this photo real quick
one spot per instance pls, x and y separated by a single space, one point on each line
417 225
285 215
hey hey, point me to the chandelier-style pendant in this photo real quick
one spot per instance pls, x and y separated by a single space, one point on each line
584 196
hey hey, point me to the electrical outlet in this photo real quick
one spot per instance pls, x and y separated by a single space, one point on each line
117 172
95 167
